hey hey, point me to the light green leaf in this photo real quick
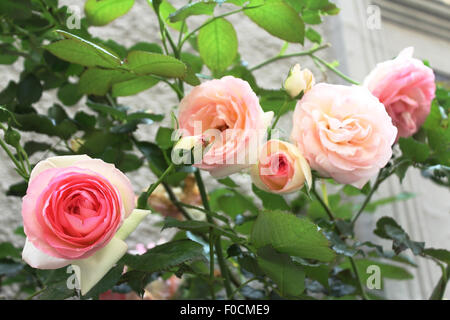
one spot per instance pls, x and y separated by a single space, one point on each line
193 9
279 19
313 36
102 12
291 235
133 86
98 81
218 44
142 62
77 50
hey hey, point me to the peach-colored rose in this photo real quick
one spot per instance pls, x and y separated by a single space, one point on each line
227 112
406 88
281 168
344 132
73 207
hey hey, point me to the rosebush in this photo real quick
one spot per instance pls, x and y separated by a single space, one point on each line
78 210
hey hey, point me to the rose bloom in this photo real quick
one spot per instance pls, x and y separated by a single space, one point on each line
73 207
406 88
228 113
281 168
344 132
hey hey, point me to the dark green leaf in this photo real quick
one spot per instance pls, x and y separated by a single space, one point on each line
271 201
165 256
414 150
288 275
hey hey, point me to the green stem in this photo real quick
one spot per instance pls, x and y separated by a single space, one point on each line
153 186
211 263
336 71
36 293
279 114
242 285
286 56
332 218
20 169
218 244
360 285
368 197
439 290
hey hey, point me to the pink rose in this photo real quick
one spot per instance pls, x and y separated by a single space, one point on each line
281 168
344 132
406 88
228 114
73 207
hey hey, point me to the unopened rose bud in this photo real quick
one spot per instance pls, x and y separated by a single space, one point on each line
299 80
181 152
281 168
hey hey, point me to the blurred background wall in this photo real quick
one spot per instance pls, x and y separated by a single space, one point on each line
364 33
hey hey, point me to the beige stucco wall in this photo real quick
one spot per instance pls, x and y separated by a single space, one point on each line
348 37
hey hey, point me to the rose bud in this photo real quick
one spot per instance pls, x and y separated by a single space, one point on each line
406 88
281 168
299 80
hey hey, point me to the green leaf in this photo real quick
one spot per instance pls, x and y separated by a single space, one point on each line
165 10
102 12
107 282
17 189
311 17
133 86
388 271
279 19
193 9
16 9
77 50
313 36
440 254
69 94
29 90
402 196
388 228
228 182
146 46
164 138
189 225
143 62
165 256
57 291
105 109
288 234
7 250
288 275
271 201
414 150
98 81
218 44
